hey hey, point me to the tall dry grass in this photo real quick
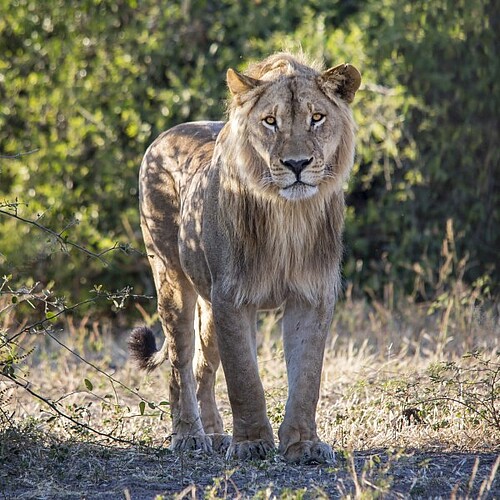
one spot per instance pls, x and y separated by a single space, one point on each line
402 375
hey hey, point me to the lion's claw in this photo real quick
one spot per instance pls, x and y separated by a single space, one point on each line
250 450
192 443
309 452
220 442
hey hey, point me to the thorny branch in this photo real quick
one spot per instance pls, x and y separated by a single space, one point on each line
55 307
29 295
19 155
96 368
63 241
53 406
42 327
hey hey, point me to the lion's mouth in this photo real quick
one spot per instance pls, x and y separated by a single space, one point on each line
297 184
298 190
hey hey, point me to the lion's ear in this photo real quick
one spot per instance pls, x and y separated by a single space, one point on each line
344 80
239 83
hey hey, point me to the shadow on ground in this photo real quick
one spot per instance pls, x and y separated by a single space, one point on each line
41 466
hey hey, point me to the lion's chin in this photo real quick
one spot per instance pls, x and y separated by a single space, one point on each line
298 191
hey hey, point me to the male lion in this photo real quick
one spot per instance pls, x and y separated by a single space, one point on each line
243 216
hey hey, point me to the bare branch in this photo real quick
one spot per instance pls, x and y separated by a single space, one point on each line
118 298
97 369
64 242
53 406
19 155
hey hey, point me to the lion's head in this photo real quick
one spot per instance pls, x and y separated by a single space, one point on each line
292 127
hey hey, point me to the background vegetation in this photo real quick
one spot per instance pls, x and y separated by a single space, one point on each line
411 383
88 86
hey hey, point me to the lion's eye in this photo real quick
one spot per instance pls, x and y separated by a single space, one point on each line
317 118
270 122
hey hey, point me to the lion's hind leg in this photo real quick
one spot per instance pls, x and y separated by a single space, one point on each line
207 361
176 308
176 305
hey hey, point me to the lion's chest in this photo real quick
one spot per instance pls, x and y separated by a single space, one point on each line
282 257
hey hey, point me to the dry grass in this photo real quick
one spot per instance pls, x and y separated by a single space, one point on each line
408 410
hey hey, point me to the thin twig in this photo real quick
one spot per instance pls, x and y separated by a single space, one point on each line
96 368
41 324
462 403
62 241
34 327
19 155
53 406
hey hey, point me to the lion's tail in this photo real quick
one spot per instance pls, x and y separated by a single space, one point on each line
142 348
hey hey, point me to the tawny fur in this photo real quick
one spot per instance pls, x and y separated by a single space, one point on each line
230 227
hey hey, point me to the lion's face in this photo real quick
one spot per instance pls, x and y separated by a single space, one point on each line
295 130
300 128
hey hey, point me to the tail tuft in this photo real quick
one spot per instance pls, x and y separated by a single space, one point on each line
142 347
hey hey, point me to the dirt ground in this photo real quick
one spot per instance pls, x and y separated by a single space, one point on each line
37 467
409 414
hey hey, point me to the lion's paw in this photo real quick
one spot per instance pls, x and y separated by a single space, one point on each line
250 450
220 442
191 443
309 452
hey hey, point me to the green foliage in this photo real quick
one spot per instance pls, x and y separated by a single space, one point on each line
471 387
90 85
436 154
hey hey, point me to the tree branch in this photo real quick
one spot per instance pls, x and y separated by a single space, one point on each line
62 241
19 155
54 407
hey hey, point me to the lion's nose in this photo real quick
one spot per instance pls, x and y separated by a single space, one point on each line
296 166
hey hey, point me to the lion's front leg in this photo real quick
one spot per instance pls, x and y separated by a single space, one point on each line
252 432
305 329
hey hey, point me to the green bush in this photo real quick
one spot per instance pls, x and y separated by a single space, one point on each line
440 155
90 86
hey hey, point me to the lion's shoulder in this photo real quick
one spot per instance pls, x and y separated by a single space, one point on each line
188 144
194 132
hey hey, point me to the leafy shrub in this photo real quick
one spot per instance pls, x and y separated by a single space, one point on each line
90 86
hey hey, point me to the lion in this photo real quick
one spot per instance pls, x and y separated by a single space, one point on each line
244 216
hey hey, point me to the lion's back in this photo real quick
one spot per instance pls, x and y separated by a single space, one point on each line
177 148
170 190
173 160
